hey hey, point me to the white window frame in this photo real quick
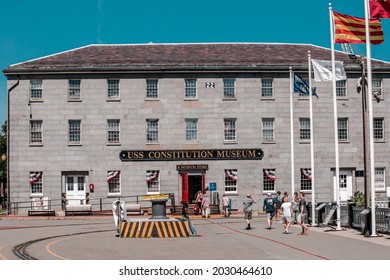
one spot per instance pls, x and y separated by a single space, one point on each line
230 185
36 90
36 132
191 128
379 130
341 89
152 130
304 129
306 183
267 88
342 128
36 187
113 131
269 184
229 88
74 89
153 186
113 89
380 179
114 183
268 130
152 89
73 131
191 89
230 130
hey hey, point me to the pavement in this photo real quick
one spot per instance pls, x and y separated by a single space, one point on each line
93 238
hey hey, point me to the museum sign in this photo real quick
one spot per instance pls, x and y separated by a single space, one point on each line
182 155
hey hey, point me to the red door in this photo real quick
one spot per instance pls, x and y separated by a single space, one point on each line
184 187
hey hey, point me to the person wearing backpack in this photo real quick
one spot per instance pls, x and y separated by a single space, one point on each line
269 208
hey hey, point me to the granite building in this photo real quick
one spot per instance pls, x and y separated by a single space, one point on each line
109 121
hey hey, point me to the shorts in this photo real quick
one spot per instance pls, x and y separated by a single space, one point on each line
302 218
270 214
248 215
287 219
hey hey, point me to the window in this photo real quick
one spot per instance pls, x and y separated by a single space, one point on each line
35 132
380 179
153 181
191 129
113 89
152 89
268 130
151 131
341 88
304 129
36 89
377 88
114 181
229 90
113 131
36 182
269 179
231 180
343 129
305 179
74 132
379 129
267 88
230 130
190 88
74 89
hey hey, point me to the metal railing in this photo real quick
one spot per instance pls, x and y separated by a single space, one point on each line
98 204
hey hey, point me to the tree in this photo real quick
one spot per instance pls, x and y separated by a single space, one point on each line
3 151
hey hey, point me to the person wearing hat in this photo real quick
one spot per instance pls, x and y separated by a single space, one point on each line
248 202
269 208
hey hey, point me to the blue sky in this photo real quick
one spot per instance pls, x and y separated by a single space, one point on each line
32 29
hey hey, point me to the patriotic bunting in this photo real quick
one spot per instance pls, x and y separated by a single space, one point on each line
151 175
232 174
35 177
112 174
270 174
306 173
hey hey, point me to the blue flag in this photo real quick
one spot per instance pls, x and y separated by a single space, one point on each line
301 86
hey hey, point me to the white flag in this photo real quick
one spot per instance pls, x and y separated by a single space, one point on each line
323 70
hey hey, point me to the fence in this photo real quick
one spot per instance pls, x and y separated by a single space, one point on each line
98 204
351 217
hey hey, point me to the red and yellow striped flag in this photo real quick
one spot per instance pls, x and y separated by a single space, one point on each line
350 29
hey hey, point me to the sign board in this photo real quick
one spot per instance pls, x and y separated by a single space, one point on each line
212 186
156 196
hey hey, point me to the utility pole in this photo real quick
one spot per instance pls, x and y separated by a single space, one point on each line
367 173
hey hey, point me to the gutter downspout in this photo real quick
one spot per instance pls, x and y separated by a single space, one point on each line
8 148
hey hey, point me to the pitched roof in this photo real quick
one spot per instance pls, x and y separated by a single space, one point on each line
183 56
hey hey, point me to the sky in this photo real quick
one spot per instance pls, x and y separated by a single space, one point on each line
33 29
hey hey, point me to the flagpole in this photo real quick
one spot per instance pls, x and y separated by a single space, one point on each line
292 132
311 143
370 117
335 123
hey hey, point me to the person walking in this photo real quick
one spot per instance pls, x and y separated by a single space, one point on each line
198 201
186 217
287 214
302 214
269 208
225 205
248 202
295 207
278 204
205 206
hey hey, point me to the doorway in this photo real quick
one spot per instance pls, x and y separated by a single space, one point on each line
75 189
191 183
345 186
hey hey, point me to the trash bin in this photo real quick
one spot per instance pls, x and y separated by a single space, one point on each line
365 218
